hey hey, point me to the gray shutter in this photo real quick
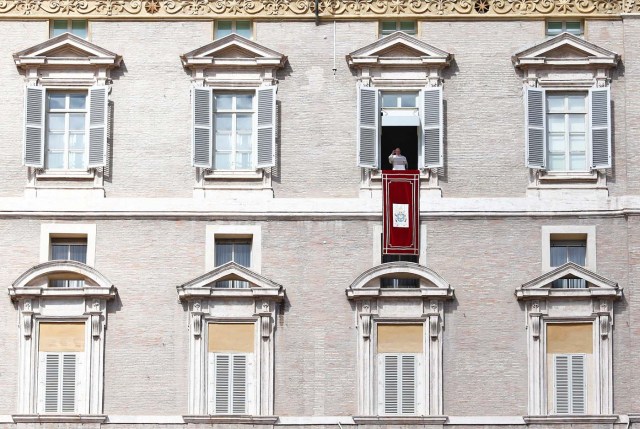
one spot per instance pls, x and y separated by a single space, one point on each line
98 99
391 381
408 385
69 366
239 385
578 384
51 382
561 384
368 127
34 101
536 129
266 147
432 132
202 139
600 113
222 367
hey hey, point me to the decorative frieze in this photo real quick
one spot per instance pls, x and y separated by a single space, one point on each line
331 9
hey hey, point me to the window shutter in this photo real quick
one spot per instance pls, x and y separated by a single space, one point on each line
51 375
34 126
391 380
408 385
69 368
432 133
600 113
561 366
536 130
578 385
368 127
239 385
98 109
202 143
266 150
222 374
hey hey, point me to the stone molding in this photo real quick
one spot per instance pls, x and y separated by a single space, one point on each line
331 9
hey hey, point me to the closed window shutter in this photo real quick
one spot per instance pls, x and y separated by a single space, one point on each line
397 383
239 386
432 133
368 127
69 368
408 386
202 143
391 381
600 113
98 109
561 367
535 124
34 126
51 382
266 150
229 376
60 382
222 374
578 384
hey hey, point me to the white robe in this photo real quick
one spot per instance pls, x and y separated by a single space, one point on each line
399 162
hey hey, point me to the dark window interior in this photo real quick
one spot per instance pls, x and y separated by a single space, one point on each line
406 138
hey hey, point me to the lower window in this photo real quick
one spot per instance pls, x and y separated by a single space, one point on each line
567 131
66 136
234 131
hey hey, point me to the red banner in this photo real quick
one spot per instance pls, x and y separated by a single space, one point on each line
401 212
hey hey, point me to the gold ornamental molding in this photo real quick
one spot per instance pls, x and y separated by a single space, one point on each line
326 9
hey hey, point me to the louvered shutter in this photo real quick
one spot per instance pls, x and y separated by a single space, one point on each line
51 375
561 384
266 147
368 127
98 110
390 379
578 384
600 113
408 384
69 382
432 133
536 130
239 385
222 374
59 382
202 139
229 383
34 126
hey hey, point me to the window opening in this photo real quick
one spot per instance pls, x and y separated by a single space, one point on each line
66 130
77 27
241 28
567 131
388 27
238 251
556 27
234 129
68 249
563 251
405 138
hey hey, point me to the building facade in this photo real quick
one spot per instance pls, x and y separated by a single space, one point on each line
191 214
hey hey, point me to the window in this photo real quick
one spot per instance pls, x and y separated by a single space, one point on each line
77 27
68 249
395 283
61 356
563 251
556 27
231 362
233 125
567 131
388 27
66 130
400 349
238 251
241 28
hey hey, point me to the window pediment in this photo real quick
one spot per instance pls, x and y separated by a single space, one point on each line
367 285
399 49
203 286
66 50
565 50
597 286
233 51
34 282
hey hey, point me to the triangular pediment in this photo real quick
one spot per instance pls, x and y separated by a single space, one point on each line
565 49
399 49
596 285
234 50
205 285
66 49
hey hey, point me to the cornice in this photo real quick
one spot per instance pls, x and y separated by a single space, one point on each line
330 9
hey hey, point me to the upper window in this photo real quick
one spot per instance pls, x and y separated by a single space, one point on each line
234 131
388 27
567 131
68 249
556 27
77 27
238 251
563 251
66 135
241 28
399 282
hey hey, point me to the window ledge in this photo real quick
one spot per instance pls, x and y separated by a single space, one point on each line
399 420
376 175
75 175
568 293
233 175
230 419
571 418
420 292
59 418
568 177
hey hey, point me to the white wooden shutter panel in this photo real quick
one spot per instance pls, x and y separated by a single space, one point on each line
561 384
391 379
34 126
239 385
51 375
202 139
98 109
578 384
266 147
600 113
432 133
69 379
408 384
368 127
222 374
536 130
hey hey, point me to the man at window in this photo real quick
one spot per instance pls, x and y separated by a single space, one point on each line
398 161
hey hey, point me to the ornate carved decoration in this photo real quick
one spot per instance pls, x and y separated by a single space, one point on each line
196 324
27 320
306 8
265 324
96 326
366 326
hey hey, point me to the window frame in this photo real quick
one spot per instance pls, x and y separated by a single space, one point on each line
398 22
49 231
67 111
551 233
234 232
234 30
234 112
564 27
70 27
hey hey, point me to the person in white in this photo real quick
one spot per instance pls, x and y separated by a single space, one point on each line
398 161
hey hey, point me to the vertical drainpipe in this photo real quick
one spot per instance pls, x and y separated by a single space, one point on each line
317 12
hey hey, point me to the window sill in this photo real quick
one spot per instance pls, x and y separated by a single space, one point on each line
376 175
230 419
233 175
572 418
400 420
568 177
59 418
62 174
